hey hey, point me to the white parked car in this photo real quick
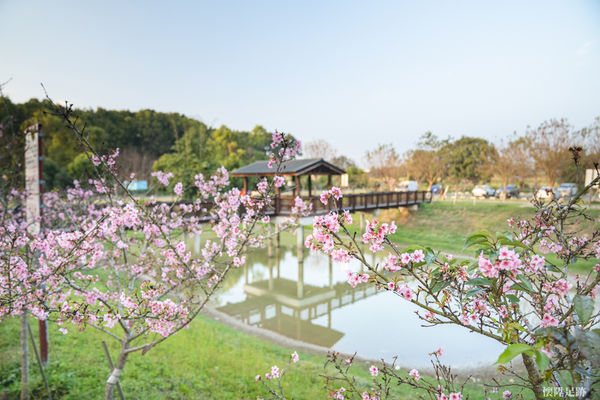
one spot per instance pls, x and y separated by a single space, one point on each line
407 186
547 193
567 190
483 191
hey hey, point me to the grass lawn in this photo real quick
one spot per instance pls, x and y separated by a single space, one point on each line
207 361
444 226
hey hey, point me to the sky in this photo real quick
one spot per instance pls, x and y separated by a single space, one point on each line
354 73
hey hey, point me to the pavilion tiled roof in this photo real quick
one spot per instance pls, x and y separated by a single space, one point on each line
313 166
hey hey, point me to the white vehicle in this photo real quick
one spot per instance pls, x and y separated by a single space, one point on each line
547 193
482 191
407 186
567 190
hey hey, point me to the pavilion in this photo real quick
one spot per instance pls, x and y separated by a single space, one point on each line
294 168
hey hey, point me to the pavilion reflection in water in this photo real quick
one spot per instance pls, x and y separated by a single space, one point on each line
289 307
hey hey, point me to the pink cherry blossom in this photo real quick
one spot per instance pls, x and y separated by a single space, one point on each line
374 370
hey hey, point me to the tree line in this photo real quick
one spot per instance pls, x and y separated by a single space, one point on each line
543 155
151 140
148 140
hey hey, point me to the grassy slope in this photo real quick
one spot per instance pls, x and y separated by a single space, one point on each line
443 225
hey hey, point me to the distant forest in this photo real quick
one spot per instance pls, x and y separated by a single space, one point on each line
148 140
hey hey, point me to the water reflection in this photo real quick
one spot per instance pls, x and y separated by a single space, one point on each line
305 297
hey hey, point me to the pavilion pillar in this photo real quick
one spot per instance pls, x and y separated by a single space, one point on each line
245 188
309 185
298 186
329 181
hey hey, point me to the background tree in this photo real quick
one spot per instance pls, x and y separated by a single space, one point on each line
319 149
469 159
343 162
511 161
427 163
591 148
548 146
384 163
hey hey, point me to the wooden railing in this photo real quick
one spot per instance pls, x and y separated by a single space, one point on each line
283 205
356 202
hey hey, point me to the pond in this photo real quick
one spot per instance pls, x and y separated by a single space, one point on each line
307 298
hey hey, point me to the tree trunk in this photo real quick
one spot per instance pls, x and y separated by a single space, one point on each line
534 377
113 378
24 358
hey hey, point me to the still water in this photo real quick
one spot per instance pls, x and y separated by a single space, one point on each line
308 299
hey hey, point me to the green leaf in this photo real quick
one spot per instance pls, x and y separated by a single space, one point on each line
479 282
439 286
478 238
541 360
513 299
512 351
430 256
584 307
473 292
589 345
553 268
525 282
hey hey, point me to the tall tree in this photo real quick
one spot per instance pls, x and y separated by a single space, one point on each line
384 163
511 161
427 163
469 159
343 162
319 149
548 146
591 146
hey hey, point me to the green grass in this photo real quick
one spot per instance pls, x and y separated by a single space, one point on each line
206 361
445 226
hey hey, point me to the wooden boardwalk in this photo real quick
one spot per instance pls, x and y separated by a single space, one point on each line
354 202
282 204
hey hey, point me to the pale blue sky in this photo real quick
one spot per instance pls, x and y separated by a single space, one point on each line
353 73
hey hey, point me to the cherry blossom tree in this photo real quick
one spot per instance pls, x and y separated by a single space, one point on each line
121 265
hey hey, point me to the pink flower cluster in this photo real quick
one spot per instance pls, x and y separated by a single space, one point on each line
334 192
162 177
322 238
354 278
375 234
507 260
284 148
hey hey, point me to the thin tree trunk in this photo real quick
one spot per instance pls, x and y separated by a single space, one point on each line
24 358
534 376
113 378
